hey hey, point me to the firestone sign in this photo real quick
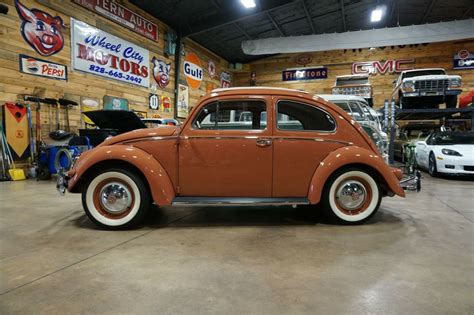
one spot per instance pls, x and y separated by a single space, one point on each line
382 67
100 53
122 15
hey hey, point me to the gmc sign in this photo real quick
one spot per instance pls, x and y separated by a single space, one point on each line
382 67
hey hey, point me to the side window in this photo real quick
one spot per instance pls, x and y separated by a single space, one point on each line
297 116
232 115
357 112
344 107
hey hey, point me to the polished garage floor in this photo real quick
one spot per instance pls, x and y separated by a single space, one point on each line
415 256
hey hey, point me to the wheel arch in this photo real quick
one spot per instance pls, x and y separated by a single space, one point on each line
146 166
353 157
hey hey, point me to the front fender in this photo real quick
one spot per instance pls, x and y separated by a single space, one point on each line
347 156
161 188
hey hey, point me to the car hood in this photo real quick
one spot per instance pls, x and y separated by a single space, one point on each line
432 77
465 149
162 131
121 120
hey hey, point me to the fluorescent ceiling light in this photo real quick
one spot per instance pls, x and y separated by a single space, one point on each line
376 15
248 3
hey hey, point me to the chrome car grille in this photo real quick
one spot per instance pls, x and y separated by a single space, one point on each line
432 85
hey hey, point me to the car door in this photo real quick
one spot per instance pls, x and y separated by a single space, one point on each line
304 134
226 149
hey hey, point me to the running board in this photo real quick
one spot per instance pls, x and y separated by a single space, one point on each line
240 201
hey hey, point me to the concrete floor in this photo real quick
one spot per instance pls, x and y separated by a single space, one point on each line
415 256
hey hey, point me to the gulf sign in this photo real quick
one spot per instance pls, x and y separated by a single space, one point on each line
193 70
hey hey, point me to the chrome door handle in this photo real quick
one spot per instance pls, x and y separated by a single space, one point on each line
264 142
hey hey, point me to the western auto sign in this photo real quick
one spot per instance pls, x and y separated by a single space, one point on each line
304 74
41 30
122 15
100 53
192 70
226 79
42 68
383 67
463 60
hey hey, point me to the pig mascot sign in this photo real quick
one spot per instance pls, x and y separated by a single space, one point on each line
161 72
41 30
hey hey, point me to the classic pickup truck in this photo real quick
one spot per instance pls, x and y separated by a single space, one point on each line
357 84
290 148
426 88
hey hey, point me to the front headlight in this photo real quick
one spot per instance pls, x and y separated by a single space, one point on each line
451 152
454 83
408 86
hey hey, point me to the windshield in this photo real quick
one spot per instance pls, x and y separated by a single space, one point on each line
453 138
412 74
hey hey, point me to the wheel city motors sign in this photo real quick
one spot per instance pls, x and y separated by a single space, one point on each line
100 53
382 67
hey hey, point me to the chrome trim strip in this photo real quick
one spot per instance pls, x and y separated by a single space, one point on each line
313 139
152 138
264 137
238 201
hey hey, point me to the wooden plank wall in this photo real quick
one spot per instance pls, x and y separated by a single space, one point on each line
339 62
13 83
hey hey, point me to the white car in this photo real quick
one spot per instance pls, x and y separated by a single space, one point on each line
447 152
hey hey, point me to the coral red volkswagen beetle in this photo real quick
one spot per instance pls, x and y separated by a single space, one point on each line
239 146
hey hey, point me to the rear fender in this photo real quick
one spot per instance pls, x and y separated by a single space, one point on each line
352 155
161 188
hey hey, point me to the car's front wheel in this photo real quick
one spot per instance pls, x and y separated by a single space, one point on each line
351 196
432 168
115 198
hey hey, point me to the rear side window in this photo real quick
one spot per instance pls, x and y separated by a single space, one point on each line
298 116
232 115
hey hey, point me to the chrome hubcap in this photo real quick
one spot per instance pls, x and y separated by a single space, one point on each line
115 198
351 195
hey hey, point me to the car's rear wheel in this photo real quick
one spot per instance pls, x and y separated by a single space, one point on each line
351 196
432 168
115 198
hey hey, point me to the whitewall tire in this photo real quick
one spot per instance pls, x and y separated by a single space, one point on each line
115 198
351 196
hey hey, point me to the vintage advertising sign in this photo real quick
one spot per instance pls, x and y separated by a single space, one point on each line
161 72
303 59
192 70
42 68
166 103
154 101
100 53
115 103
122 15
304 74
226 79
382 67
463 60
183 101
211 69
41 30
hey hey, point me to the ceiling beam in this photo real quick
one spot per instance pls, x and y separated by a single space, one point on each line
230 16
343 13
308 16
466 13
242 30
275 24
428 11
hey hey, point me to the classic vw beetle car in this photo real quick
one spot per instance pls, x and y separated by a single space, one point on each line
239 146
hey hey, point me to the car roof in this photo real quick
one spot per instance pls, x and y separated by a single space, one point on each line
341 97
258 90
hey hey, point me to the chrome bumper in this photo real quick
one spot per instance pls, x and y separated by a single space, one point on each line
61 182
412 182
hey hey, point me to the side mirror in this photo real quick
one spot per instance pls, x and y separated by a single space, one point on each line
421 143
